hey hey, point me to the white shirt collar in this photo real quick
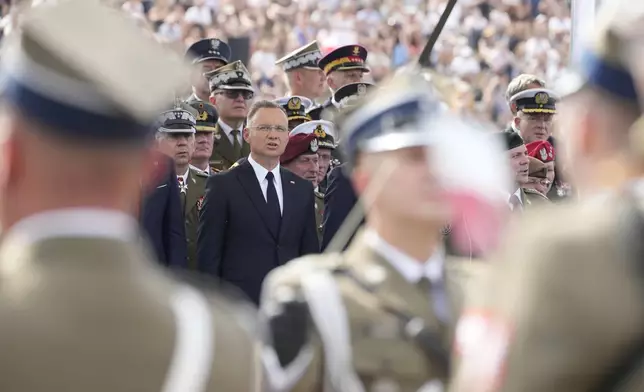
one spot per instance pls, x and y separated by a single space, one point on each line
412 270
261 172
517 193
76 222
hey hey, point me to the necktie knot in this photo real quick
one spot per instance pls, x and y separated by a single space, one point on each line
234 132
270 176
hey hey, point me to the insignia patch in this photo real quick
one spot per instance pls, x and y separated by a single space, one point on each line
319 132
294 103
541 98
356 50
200 203
203 116
543 154
482 341
217 135
314 145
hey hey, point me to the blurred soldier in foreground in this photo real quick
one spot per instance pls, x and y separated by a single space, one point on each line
83 306
563 311
379 316
303 76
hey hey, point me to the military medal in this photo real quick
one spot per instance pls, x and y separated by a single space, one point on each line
200 203
183 187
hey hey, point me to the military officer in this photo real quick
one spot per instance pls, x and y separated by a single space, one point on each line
207 118
206 55
303 76
231 93
342 66
535 112
562 310
176 138
323 131
379 316
84 307
519 197
295 108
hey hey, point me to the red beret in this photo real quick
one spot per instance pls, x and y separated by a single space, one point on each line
299 144
542 150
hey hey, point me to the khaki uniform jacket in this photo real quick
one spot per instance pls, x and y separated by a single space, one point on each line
532 198
319 212
562 307
382 356
194 201
223 156
96 314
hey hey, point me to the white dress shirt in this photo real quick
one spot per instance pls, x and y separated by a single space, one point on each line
413 270
75 222
509 196
228 131
261 172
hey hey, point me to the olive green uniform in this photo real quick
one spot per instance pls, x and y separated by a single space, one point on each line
382 355
563 305
532 198
195 191
223 155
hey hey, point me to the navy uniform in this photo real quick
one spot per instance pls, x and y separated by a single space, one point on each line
233 76
206 55
84 306
358 320
305 57
562 310
324 132
207 118
192 183
295 108
344 58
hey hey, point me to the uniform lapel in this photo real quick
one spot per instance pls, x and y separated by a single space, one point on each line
393 289
224 147
289 197
192 194
248 180
525 202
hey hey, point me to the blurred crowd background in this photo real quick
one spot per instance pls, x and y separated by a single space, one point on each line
484 45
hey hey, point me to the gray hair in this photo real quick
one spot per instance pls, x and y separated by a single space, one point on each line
522 83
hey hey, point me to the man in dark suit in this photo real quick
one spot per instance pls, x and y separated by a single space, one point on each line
256 216
161 216
338 202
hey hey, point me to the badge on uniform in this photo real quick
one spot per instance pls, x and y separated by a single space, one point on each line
200 203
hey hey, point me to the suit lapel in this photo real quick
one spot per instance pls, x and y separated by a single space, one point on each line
289 197
248 180
192 194
394 289
224 147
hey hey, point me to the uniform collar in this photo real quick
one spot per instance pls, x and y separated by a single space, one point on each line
412 270
77 223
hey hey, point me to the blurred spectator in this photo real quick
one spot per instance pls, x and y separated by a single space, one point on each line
485 43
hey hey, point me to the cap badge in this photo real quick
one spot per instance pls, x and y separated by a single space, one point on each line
362 89
203 116
541 98
356 50
214 44
543 154
294 104
240 74
319 132
314 145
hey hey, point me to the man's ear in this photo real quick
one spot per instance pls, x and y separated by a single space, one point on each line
246 134
212 99
517 121
330 83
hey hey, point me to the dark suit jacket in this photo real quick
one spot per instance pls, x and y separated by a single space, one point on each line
339 199
162 219
235 242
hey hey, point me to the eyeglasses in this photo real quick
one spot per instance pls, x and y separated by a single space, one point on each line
233 94
534 180
268 128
